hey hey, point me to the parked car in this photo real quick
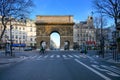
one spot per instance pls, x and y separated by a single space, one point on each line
28 49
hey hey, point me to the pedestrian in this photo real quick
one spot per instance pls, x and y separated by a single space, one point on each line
42 50
85 50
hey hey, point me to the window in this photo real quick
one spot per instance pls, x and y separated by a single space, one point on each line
13 36
16 37
23 28
16 27
31 39
31 29
19 28
16 41
23 37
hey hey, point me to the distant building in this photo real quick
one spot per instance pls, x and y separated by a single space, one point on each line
31 33
23 33
18 32
84 33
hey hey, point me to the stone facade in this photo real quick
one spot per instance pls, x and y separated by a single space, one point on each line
45 25
84 33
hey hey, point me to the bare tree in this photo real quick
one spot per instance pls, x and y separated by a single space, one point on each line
98 23
110 8
13 9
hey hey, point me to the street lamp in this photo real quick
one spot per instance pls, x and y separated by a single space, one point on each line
11 39
19 43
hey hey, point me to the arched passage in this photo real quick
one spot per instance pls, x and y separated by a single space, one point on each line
54 41
66 45
43 43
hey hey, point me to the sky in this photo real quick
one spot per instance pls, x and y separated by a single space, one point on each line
56 38
80 9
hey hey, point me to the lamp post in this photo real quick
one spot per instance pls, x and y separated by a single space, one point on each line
11 40
19 43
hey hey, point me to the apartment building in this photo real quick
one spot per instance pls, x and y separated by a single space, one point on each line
84 33
31 33
23 33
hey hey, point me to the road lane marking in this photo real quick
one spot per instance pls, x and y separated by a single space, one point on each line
64 56
46 56
33 57
111 69
51 56
107 71
115 68
93 70
76 56
91 58
58 56
39 57
70 56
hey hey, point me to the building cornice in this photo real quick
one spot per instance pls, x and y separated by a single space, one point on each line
54 23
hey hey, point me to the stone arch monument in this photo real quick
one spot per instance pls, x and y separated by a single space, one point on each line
45 25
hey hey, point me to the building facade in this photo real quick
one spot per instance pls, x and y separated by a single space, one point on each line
84 33
31 33
23 33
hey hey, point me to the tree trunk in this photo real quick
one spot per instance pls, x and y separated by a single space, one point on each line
1 36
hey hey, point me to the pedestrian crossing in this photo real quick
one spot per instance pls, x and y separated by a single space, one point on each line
56 56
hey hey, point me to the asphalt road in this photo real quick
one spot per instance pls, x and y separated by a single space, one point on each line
60 65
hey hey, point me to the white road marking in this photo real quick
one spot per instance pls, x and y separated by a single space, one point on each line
91 58
93 70
76 56
97 67
64 56
116 68
51 56
70 56
46 56
39 57
111 69
107 71
33 57
58 56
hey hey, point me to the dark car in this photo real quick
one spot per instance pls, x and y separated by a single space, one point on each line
28 49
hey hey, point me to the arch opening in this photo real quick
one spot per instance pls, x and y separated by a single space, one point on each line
54 41
66 45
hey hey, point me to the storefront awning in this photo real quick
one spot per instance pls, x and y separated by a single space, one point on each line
18 45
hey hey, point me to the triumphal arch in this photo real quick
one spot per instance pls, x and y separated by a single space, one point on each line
45 25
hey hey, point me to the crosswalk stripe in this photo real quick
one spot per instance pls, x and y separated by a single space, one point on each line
33 57
70 56
51 56
76 56
55 56
58 56
64 56
46 56
39 56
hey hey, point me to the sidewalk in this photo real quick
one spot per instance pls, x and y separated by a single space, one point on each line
17 57
108 56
